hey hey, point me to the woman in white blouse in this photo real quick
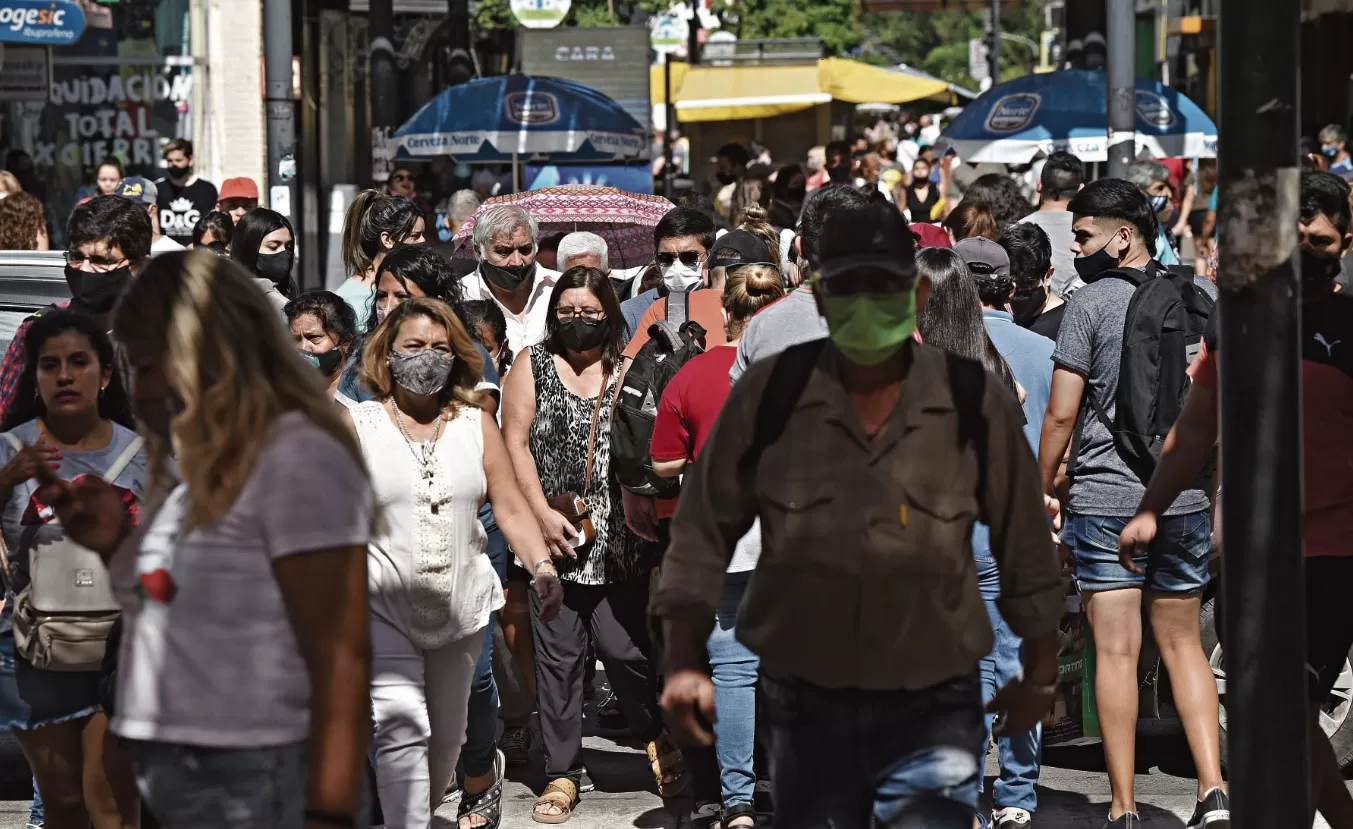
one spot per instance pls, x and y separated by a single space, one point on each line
433 458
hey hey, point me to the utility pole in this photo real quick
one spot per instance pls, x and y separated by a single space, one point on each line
384 85
461 69
1122 82
1260 293
994 51
281 106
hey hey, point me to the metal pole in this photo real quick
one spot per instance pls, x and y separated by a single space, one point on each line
281 106
668 174
994 54
1259 278
1122 44
458 34
384 85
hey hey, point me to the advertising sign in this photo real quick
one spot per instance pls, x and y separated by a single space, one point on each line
612 61
41 22
25 73
670 32
540 14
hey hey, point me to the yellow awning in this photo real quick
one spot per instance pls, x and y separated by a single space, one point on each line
729 93
657 87
859 83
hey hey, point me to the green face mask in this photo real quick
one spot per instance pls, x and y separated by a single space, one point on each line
870 328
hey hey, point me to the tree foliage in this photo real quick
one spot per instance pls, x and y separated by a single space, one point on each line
935 42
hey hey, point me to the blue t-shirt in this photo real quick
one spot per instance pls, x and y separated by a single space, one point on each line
635 307
1029 356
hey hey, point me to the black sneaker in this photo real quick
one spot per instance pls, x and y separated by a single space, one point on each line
516 745
1127 820
1213 812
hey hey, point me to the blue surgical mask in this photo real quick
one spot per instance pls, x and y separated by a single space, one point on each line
1158 202
1331 152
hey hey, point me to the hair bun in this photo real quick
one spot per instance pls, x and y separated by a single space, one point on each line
755 213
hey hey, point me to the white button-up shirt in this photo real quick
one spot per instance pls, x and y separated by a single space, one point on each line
528 327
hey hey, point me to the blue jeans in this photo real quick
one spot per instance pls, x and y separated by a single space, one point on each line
35 810
481 728
1021 755
734 669
908 759
191 787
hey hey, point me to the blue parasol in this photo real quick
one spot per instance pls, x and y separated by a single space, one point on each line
522 118
1018 120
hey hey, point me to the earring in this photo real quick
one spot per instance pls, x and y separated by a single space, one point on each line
102 389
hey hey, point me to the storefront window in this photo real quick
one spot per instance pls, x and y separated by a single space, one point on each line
122 91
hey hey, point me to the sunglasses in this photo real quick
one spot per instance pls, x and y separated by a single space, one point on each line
689 258
854 283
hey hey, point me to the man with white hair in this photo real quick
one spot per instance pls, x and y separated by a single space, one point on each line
506 240
583 248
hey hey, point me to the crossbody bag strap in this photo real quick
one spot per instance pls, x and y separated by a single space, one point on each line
124 460
592 433
12 440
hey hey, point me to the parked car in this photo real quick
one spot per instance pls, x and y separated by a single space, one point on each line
29 281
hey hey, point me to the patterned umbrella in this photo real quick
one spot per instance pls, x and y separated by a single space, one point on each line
624 220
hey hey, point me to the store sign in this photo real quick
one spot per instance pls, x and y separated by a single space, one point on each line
612 61
25 73
41 22
540 14
670 32
531 108
98 115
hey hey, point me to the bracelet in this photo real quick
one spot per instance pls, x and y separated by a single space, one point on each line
535 571
329 818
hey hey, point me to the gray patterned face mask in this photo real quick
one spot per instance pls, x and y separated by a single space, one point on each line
422 372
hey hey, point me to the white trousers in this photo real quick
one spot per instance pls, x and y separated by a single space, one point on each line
419 699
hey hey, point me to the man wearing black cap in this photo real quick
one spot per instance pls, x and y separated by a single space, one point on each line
866 456
1029 356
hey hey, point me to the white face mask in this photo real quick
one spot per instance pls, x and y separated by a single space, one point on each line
679 278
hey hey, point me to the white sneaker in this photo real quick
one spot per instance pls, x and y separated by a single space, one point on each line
1011 817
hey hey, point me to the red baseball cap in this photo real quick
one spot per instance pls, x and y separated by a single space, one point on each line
238 188
930 236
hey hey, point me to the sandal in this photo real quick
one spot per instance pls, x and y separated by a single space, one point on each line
488 803
563 795
740 810
669 767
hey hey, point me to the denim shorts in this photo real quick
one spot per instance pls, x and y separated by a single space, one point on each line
31 698
1176 562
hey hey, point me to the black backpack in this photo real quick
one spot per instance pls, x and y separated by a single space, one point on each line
672 342
1166 320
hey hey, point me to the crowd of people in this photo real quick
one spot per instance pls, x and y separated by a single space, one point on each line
343 553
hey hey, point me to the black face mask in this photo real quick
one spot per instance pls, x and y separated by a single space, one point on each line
582 335
327 362
839 174
1026 305
96 293
1089 267
181 172
507 277
1317 269
726 178
275 266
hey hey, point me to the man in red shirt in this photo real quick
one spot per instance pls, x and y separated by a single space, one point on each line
1327 455
689 407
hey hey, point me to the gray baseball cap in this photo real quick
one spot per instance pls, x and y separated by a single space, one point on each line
985 259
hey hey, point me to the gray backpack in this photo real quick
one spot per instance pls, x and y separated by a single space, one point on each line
63 617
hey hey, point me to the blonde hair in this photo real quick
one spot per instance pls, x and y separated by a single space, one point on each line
9 182
465 373
755 221
750 192
227 357
747 290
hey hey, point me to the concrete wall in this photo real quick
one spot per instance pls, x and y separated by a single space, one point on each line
232 138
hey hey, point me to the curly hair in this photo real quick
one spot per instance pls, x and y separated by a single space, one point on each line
21 220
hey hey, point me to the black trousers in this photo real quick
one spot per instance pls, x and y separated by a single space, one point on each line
616 615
